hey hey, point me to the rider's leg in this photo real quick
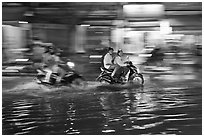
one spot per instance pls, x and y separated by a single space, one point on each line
55 69
115 68
126 73
118 72
59 71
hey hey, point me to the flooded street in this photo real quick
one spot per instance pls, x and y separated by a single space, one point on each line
160 107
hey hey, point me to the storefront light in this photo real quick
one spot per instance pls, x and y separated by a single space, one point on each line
85 25
164 24
166 30
165 27
22 22
143 10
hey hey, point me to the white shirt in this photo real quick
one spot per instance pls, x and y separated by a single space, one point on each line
120 60
107 61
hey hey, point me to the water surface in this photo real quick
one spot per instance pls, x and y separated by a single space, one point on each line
160 107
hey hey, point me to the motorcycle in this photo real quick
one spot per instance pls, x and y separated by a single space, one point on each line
135 77
71 78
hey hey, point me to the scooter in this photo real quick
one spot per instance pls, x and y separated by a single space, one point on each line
71 77
135 77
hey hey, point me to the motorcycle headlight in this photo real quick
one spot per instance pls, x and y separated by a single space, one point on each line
71 64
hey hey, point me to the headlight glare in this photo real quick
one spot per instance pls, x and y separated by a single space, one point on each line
71 64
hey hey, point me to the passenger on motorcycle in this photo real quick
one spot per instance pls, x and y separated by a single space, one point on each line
51 62
108 61
123 70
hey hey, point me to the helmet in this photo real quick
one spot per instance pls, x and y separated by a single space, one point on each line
110 48
119 50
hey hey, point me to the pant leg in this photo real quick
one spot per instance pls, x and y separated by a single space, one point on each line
59 71
115 68
54 68
126 72
118 72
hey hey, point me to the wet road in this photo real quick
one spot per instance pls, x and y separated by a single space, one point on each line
164 105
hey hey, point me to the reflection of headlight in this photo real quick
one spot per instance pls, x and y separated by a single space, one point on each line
70 64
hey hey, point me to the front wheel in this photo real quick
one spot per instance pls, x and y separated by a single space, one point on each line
138 79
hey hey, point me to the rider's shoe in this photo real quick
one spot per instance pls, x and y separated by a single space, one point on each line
38 81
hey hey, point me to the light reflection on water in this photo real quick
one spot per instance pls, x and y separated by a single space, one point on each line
148 110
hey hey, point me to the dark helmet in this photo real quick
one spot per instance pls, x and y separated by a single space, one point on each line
110 48
119 50
49 49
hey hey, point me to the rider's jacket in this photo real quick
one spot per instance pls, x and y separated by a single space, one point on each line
121 60
107 60
48 59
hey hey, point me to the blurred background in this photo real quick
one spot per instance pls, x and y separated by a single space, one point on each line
152 34
163 39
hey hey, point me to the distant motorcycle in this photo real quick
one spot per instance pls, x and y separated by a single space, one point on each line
134 77
71 77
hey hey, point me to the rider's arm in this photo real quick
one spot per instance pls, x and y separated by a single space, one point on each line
119 61
126 59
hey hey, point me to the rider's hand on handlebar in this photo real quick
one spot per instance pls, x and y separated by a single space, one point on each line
58 79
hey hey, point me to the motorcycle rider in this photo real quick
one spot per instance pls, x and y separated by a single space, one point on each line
108 61
51 62
120 60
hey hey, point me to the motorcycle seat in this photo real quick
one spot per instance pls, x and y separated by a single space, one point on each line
107 70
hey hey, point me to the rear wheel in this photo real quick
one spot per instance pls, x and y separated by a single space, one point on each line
104 82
